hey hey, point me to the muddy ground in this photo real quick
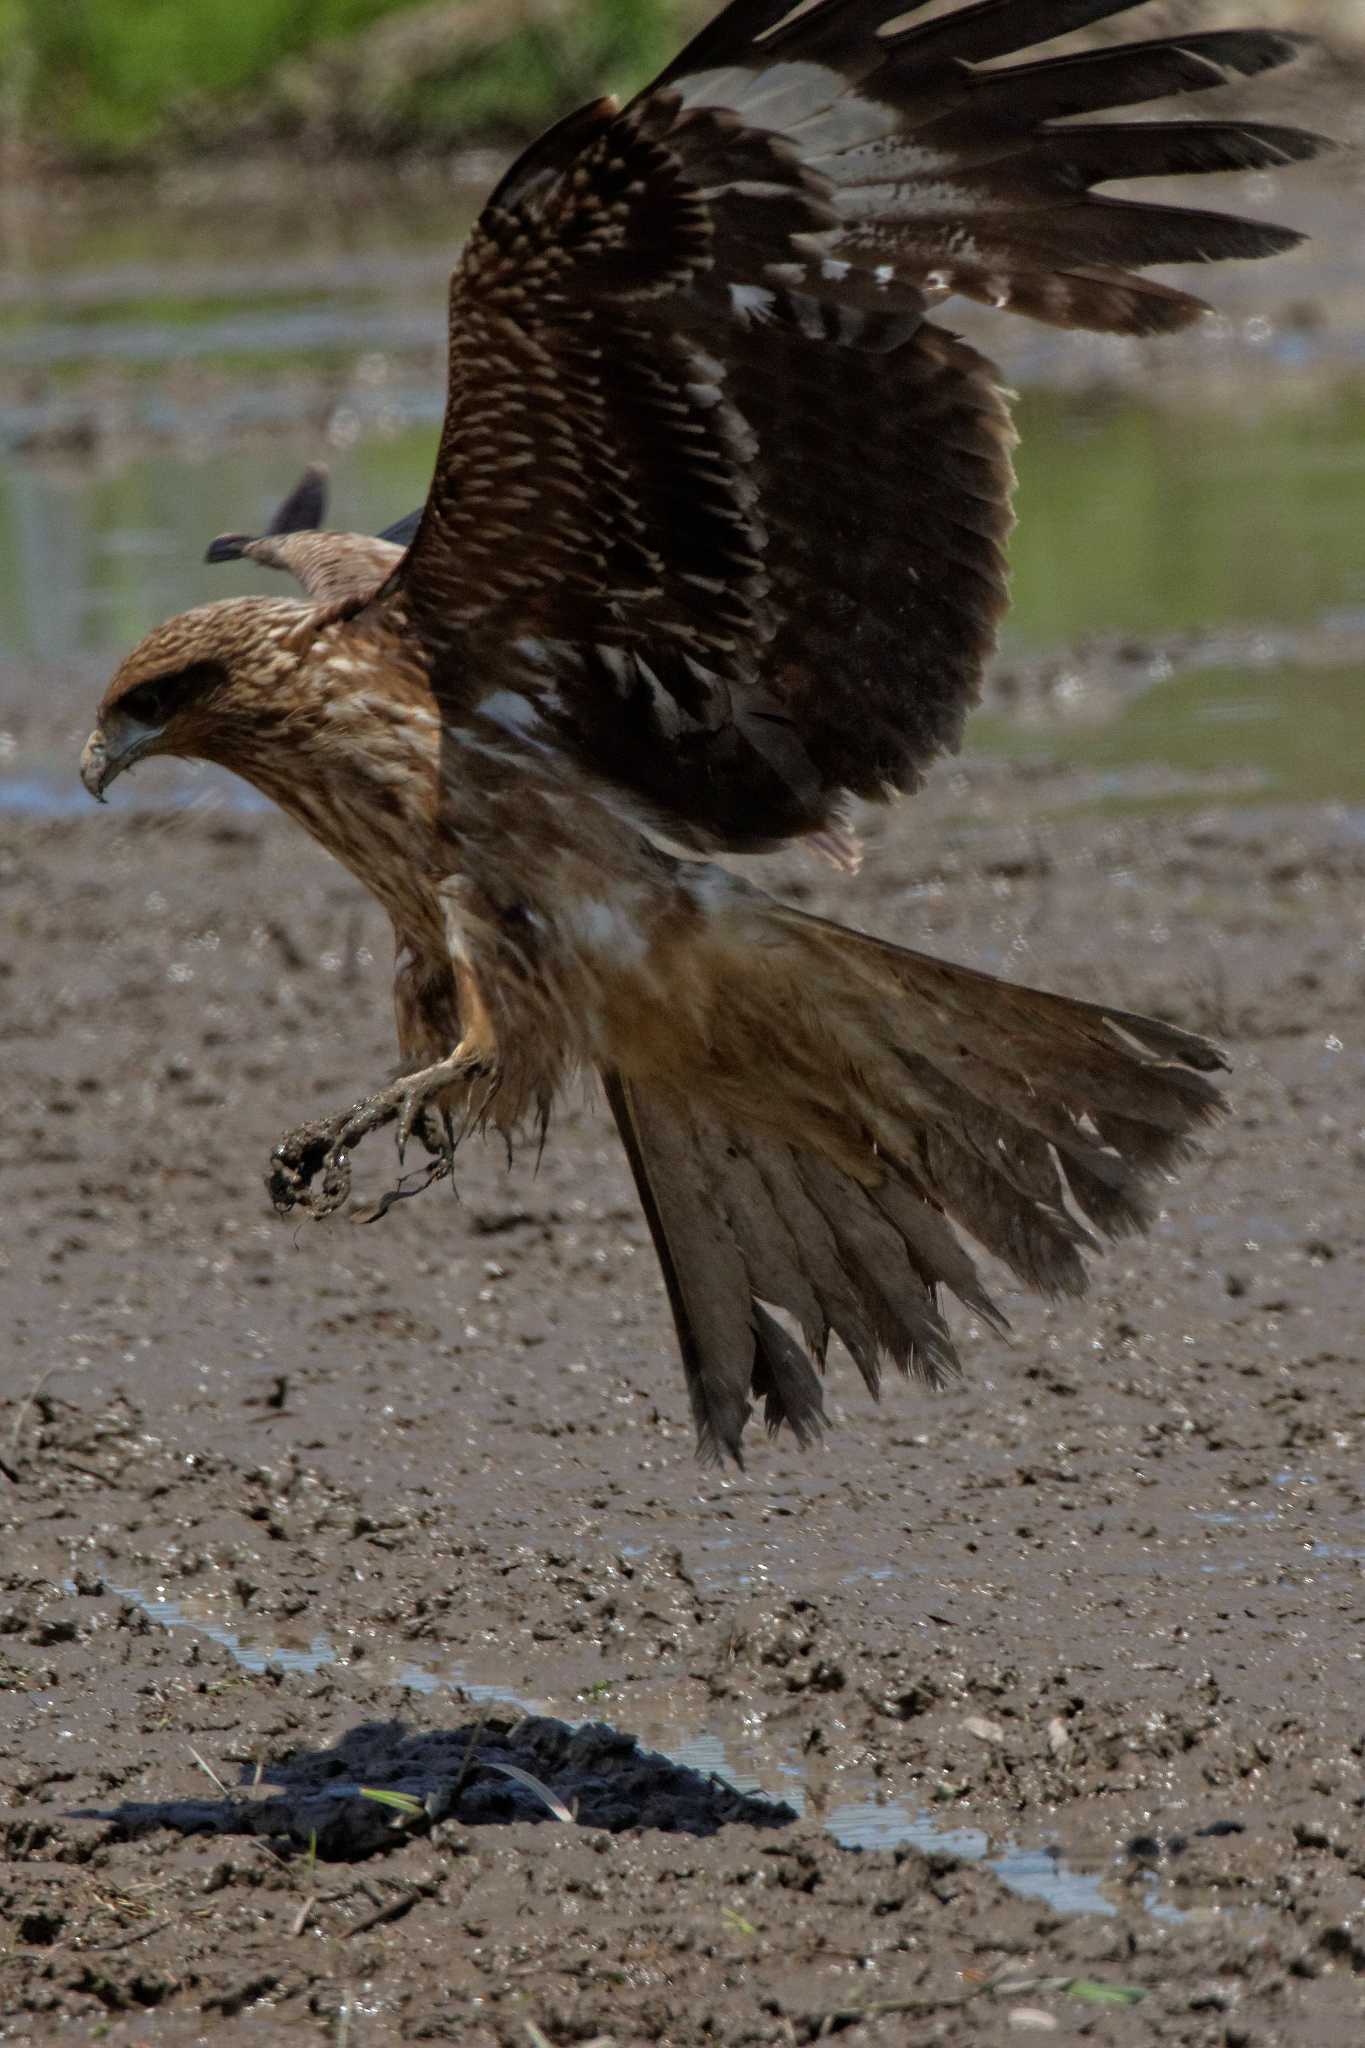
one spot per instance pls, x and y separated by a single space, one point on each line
279 1503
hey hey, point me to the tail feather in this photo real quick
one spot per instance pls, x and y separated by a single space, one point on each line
997 28
708 1285
785 1381
1039 1242
897 1299
859 1107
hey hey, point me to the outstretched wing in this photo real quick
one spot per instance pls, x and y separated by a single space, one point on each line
717 507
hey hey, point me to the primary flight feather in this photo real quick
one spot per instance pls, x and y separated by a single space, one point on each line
715 542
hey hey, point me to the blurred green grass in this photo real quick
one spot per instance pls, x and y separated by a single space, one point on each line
109 78
109 82
113 82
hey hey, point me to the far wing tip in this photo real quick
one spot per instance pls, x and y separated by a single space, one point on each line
306 506
228 547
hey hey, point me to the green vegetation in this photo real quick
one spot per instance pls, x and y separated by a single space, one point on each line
110 82
112 77
120 81
489 81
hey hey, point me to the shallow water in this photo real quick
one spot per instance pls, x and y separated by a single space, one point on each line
1244 732
1132 521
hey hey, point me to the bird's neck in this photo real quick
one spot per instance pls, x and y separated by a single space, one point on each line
427 810
353 754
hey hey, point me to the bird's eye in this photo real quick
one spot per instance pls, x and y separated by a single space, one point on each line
154 702
149 704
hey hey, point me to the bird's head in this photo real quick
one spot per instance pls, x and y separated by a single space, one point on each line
193 684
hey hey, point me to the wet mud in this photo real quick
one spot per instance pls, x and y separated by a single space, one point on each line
1031 1707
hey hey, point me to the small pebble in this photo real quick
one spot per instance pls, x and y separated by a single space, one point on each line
984 1730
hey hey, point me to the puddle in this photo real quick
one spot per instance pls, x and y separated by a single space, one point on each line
254 1653
1041 1873
1230 1519
1294 1540
1037 1873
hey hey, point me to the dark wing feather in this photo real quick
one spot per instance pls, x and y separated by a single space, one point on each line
713 494
306 505
334 568
402 530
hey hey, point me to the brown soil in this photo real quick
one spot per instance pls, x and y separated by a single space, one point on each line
1103 1603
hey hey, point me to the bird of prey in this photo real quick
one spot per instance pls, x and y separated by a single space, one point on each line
714 545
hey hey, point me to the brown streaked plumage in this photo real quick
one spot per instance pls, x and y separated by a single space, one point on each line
716 541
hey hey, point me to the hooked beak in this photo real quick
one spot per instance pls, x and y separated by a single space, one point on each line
112 748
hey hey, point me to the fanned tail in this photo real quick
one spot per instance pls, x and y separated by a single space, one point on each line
897 1101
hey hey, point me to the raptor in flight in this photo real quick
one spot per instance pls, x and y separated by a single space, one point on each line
715 543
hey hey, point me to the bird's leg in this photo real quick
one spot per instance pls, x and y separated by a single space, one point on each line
311 1169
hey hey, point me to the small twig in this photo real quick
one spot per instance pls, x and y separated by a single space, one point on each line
882 2008
422 1178
393 1909
211 1774
453 1798
301 1918
271 1851
22 1410
106 1948
997 1987
85 1471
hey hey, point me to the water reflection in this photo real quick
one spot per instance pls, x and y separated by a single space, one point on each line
1222 734
1132 520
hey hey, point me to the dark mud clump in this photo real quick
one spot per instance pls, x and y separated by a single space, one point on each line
381 1779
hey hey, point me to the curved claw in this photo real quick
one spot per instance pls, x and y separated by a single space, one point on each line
414 1119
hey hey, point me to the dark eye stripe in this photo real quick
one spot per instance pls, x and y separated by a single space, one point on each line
153 702
149 703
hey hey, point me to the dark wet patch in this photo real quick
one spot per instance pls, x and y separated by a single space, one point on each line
383 1781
